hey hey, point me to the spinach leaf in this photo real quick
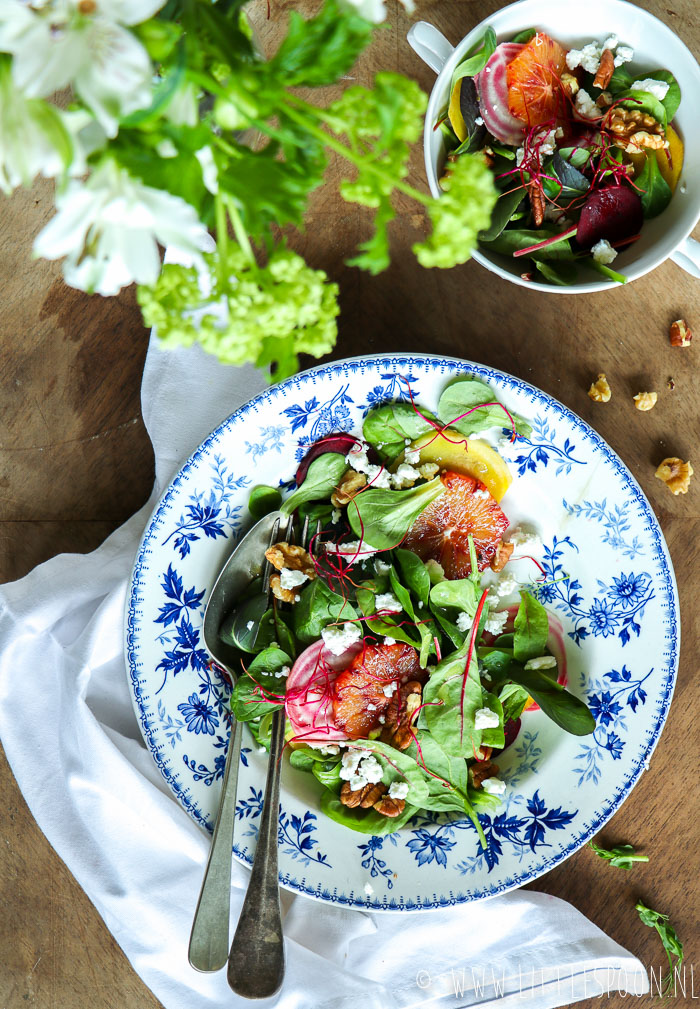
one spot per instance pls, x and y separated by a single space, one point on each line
274 630
318 607
366 821
657 192
328 773
461 593
383 625
303 758
322 476
502 213
414 573
247 700
383 517
571 179
387 427
404 597
620 81
531 628
576 156
644 101
502 151
673 96
448 715
468 394
474 64
513 239
397 765
513 699
561 273
570 713
495 736
263 500
525 36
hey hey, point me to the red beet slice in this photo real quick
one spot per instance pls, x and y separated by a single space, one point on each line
340 443
613 213
492 87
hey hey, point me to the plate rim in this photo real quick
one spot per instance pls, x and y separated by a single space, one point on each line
589 827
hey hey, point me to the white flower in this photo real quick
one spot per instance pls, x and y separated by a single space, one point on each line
85 43
109 228
370 10
29 133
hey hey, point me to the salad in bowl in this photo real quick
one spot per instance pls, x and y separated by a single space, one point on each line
583 148
408 644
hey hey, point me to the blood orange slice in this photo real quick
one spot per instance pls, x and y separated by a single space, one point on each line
358 693
535 92
442 531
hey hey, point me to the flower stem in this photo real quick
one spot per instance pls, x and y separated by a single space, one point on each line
238 230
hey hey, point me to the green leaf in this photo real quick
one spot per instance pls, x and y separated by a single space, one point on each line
263 500
257 681
452 702
513 699
397 765
323 48
322 477
671 943
388 426
605 271
424 629
495 736
644 101
180 175
273 629
622 856
525 36
673 96
328 773
561 273
570 713
414 573
476 63
656 194
382 518
505 207
513 239
461 593
531 628
318 607
620 81
466 396
366 821
374 253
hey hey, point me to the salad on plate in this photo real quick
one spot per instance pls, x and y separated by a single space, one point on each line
408 643
581 145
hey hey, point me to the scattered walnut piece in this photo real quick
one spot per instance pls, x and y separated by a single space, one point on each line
633 130
363 797
479 772
390 807
604 99
675 474
570 84
288 555
502 555
670 384
483 753
645 400
680 333
600 390
605 70
348 487
284 595
399 715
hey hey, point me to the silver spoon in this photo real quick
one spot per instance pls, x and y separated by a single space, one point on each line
209 939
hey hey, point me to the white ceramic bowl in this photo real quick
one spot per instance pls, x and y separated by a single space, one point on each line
656 47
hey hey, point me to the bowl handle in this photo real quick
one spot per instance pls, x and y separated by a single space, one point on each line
430 44
687 256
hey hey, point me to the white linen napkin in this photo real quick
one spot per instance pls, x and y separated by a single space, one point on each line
73 742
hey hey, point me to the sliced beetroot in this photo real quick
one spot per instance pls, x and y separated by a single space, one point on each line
309 697
613 213
510 731
340 443
492 87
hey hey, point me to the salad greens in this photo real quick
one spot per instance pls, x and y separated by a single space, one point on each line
580 164
671 943
622 855
375 608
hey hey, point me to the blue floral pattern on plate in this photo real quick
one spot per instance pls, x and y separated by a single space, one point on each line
608 575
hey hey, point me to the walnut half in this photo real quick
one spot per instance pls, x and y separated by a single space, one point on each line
600 390
675 474
645 400
351 484
480 771
364 797
289 557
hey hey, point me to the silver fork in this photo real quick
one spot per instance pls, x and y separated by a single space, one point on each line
256 959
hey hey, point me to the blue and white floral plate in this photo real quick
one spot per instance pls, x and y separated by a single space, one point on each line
610 581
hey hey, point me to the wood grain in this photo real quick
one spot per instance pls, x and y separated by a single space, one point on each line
75 461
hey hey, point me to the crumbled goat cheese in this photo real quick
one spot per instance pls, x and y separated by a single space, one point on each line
398 790
356 550
520 537
481 493
484 718
336 515
603 252
369 889
405 476
585 106
504 586
464 622
389 641
382 719
493 786
412 456
588 57
389 688
435 570
377 476
541 662
367 772
284 671
478 121
495 622
327 749
623 55
519 156
659 89
250 625
289 579
371 707
548 145
381 567
338 639
388 602
611 43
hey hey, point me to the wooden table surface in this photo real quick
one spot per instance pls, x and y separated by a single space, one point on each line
75 462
